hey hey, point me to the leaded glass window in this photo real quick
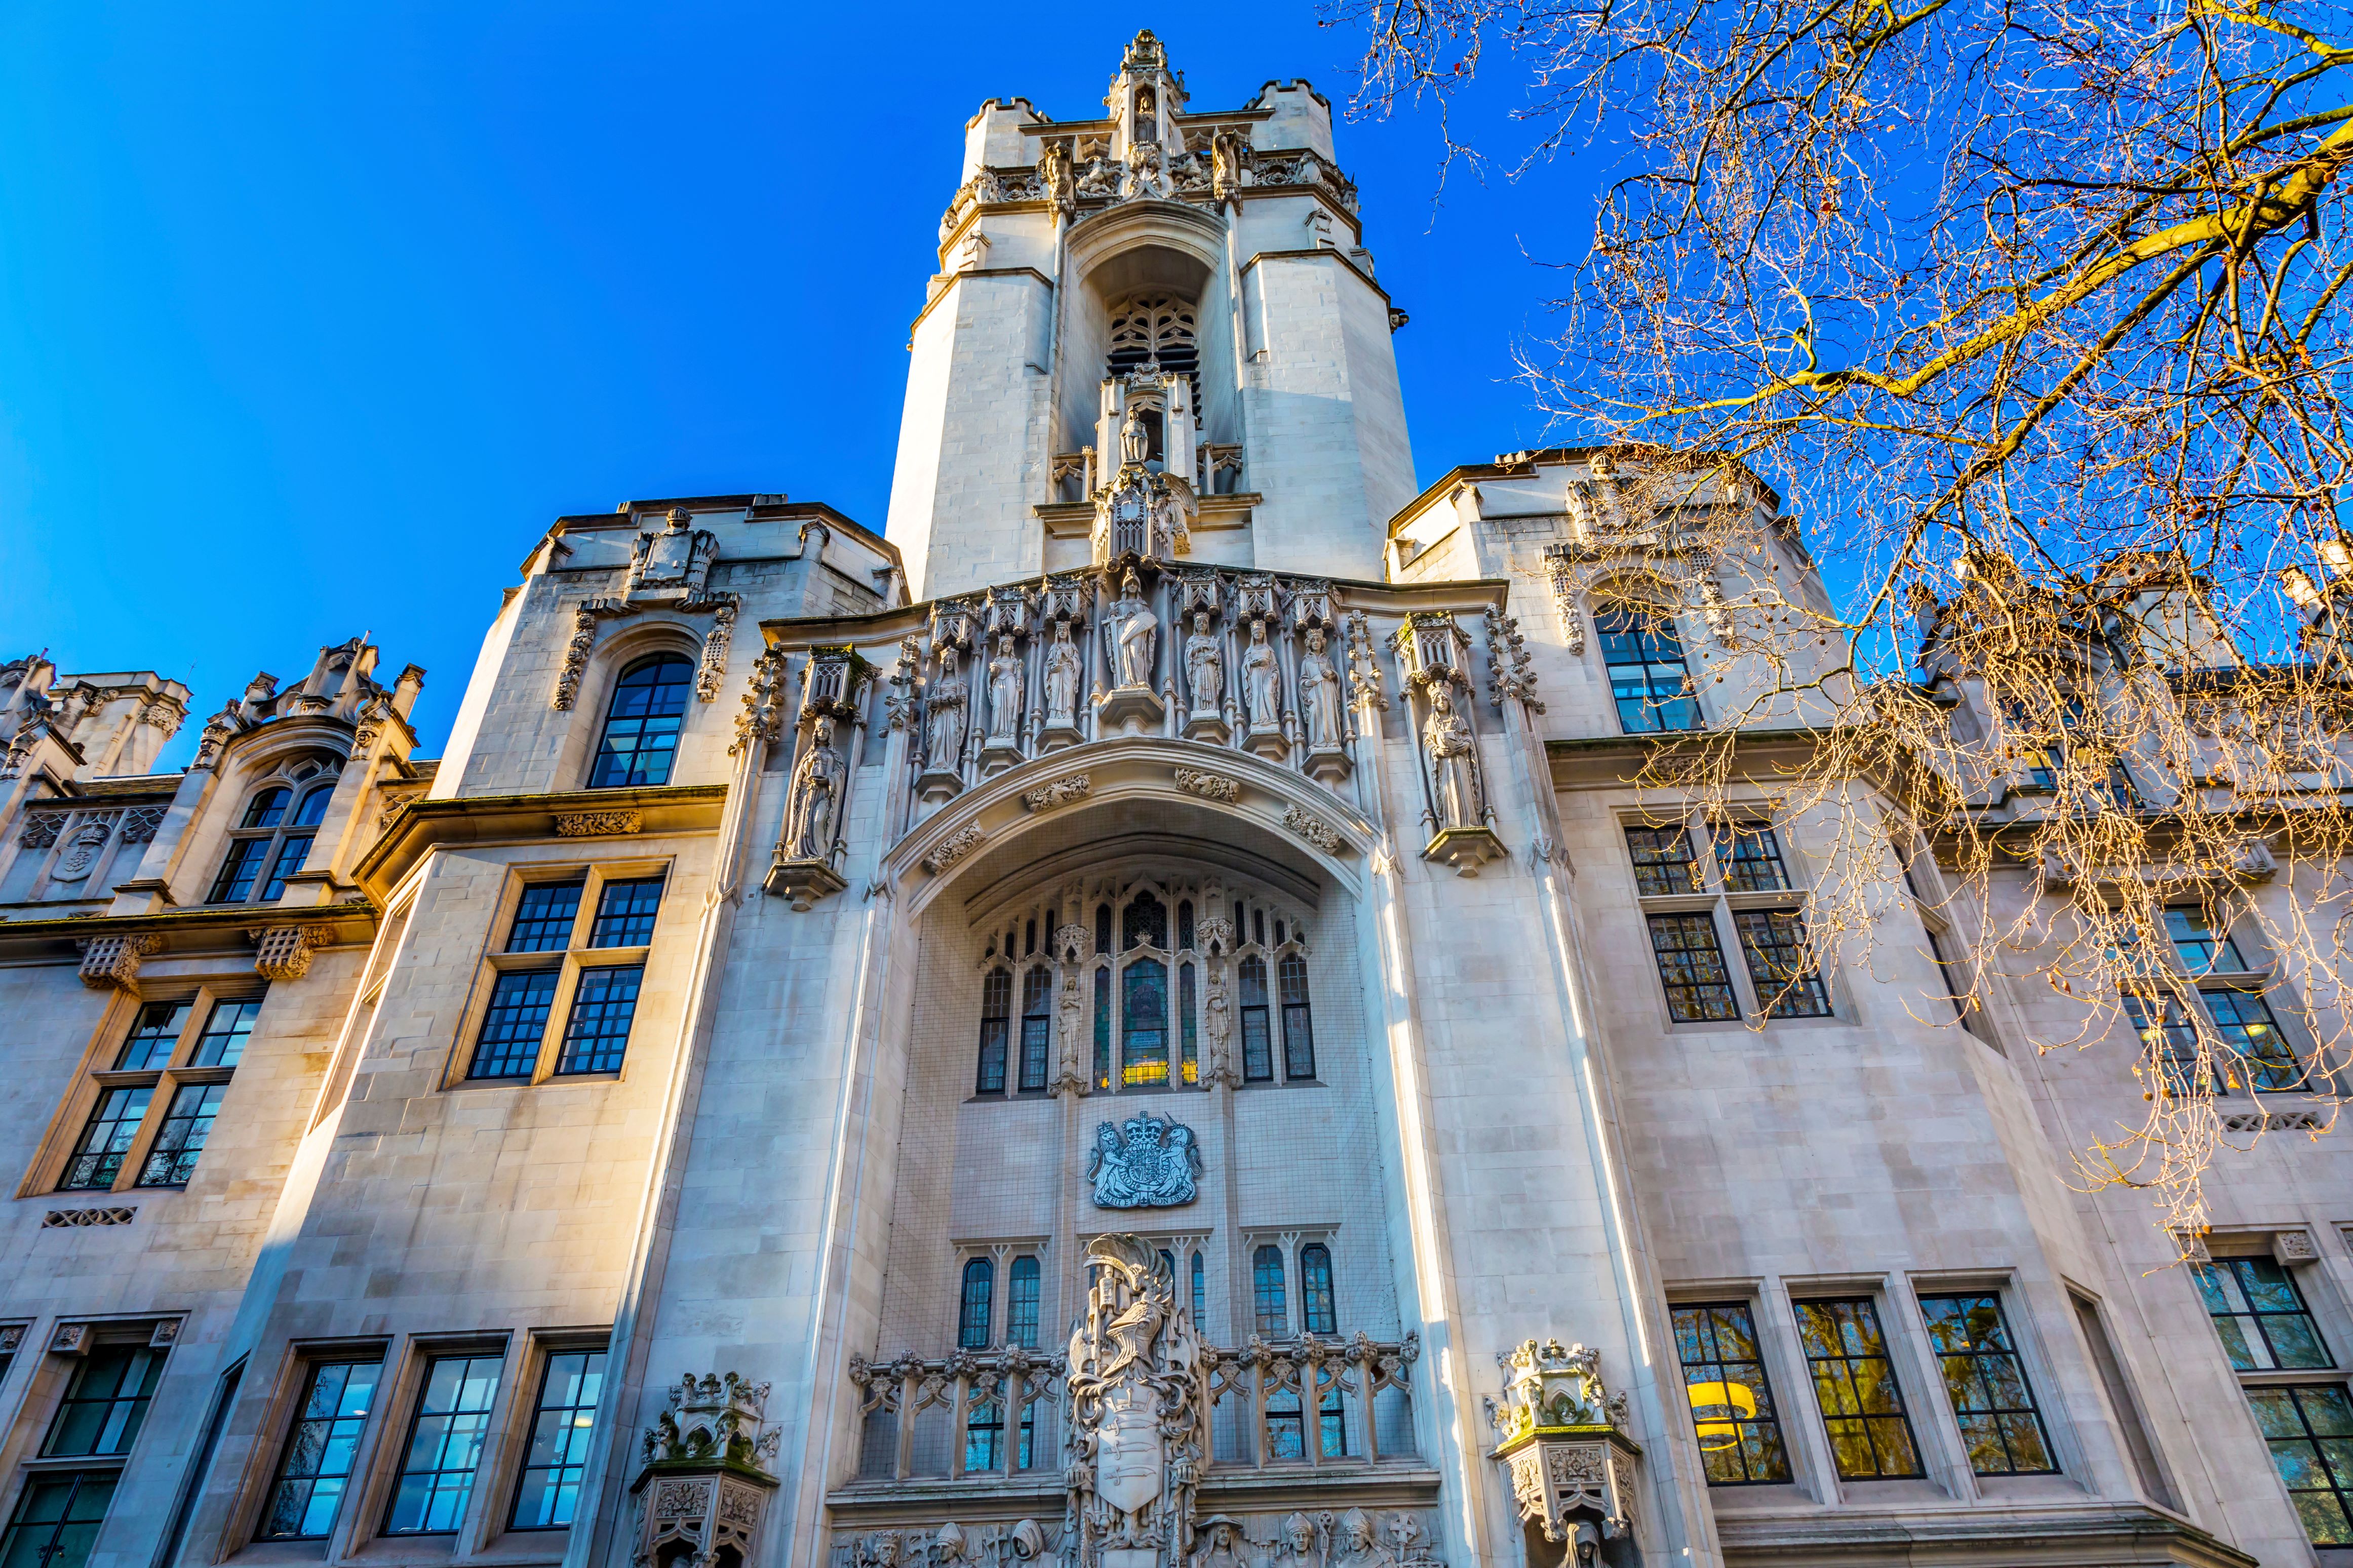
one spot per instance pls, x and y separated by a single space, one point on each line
2260 1314
1648 680
1188 1026
1663 862
640 742
1691 967
1143 1022
1318 1312
1021 1303
547 1493
1037 1027
1267 1302
1146 922
1258 1047
1102 1028
239 872
1991 1399
1298 1027
1731 1400
626 911
996 1021
1774 942
1200 1296
1855 1382
444 1446
2309 1430
316 1468
1749 857
604 1005
514 1024
974 1303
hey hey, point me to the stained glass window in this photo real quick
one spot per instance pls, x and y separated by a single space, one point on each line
1663 862
1143 1022
1691 967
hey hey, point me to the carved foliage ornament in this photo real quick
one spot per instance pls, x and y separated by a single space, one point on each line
954 847
1061 792
1207 786
1314 829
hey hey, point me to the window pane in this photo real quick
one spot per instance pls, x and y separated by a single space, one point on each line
996 1003
1774 942
313 809
2259 1314
1991 1401
549 1489
1663 860
596 1035
316 1466
152 1036
56 1518
641 738
267 810
105 1402
1647 678
973 1305
2199 944
514 1025
1144 1022
1321 1315
292 853
544 917
1691 967
1267 1302
1748 855
1855 1382
235 883
1200 1297
1298 1028
1189 1024
222 1043
445 1444
2306 1428
1145 921
186 1125
625 913
98 1154
1257 1047
1102 1028
1037 1027
1731 1402
1021 1304
2244 1021
2162 1022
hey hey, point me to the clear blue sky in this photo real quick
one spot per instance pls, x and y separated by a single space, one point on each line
314 316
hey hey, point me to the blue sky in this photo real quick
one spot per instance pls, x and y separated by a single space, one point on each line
313 316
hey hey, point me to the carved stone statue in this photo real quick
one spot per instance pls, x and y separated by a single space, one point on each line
1069 1030
1296 1546
1146 176
1453 763
1063 671
1262 680
1319 695
1217 1026
1004 682
1354 1545
675 560
816 801
1136 1384
943 742
1204 666
1219 1543
1134 438
1132 627
1054 174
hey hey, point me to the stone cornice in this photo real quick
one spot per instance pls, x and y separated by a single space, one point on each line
205 929
950 279
423 824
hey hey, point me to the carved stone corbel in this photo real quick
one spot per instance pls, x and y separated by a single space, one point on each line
111 962
1564 1445
283 952
706 1484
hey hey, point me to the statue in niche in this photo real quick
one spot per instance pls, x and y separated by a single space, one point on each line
1132 625
1217 1026
81 851
943 745
1453 763
1319 695
1055 175
1070 1028
1005 679
1262 679
1061 680
816 801
1204 666
1148 124
1134 438
678 557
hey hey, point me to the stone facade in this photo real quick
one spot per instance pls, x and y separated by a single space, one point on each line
1120 1025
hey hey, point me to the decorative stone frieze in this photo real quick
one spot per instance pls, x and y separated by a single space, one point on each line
111 962
1207 786
139 823
41 828
1563 1439
1511 673
283 952
1064 791
705 1483
1144 1163
2293 1246
66 1219
674 564
599 824
954 847
392 801
1314 829
1560 577
762 718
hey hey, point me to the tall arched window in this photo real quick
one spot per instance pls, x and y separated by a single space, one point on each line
1146 922
1648 676
1317 1311
1258 1049
1298 1028
972 1314
1102 1028
1267 1302
996 1019
1037 1027
1143 1022
1021 1303
276 832
1189 1051
641 738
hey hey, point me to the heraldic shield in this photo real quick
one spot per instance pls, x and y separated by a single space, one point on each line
1136 1443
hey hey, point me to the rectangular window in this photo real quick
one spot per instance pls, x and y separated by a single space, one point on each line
1298 1026
1267 1302
106 1403
2309 1430
1663 862
565 1420
995 1020
290 855
238 872
544 917
316 1468
1258 1043
153 1037
186 1125
1774 942
2260 1314
596 1035
1102 1018
1021 1303
2199 944
514 1025
1691 966
1188 1038
1036 1028
1749 857
229 1026
625 913
2245 1023
56 1518
99 1153
2161 1021
445 1445
1731 1402
1987 1384
1855 1382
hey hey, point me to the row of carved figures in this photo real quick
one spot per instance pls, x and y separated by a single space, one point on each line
1068 171
1354 1538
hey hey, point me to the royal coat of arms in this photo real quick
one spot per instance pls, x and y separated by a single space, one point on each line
1144 1163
